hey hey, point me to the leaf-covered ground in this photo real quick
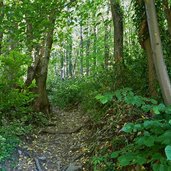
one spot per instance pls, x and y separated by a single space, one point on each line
59 146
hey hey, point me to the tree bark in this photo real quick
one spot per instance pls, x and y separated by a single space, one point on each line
158 59
151 69
81 49
87 52
144 40
106 41
70 59
1 21
117 16
95 48
39 69
167 11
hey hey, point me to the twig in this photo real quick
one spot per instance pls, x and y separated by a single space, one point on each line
37 163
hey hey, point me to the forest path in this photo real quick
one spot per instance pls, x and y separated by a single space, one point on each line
58 147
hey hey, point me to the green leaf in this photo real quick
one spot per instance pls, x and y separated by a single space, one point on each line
118 95
124 160
170 122
140 160
104 98
115 154
168 152
146 140
127 158
168 110
165 138
156 110
128 128
153 101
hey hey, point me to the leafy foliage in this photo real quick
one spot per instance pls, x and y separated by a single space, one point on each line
9 137
148 140
14 97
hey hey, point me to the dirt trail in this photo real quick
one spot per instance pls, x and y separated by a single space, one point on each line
58 147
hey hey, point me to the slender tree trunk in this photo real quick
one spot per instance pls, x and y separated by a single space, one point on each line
95 48
67 62
167 10
81 49
62 67
70 58
106 40
1 21
106 47
117 16
151 69
159 63
87 52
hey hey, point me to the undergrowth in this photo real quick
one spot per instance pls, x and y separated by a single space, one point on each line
137 139
16 115
130 131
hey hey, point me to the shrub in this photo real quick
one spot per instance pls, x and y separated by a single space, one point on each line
147 141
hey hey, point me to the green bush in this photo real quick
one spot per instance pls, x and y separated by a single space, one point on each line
14 97
66 92
148 141
9 137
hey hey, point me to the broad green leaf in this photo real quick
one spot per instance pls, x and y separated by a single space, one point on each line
140 160
118 95
115 154
165 138
168 152
124 160
146 140
156 110
128 128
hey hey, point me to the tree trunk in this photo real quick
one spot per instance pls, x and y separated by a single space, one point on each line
70 58
42 101
106 42
39 70
144 40
167 14
87 51
95 48
151 69
117 16
62 66
81 49
1 21
159 63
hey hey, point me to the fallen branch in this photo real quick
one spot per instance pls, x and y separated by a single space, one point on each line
50 131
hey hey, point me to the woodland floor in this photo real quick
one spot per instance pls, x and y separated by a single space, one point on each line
60 146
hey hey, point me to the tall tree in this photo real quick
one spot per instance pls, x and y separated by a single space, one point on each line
117 16
167 10
81 48
146 45
106 38
1 20
158 59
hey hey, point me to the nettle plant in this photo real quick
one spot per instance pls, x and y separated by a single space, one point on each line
150 146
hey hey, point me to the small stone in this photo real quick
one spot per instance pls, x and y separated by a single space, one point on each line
19 152
73 167
43 158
